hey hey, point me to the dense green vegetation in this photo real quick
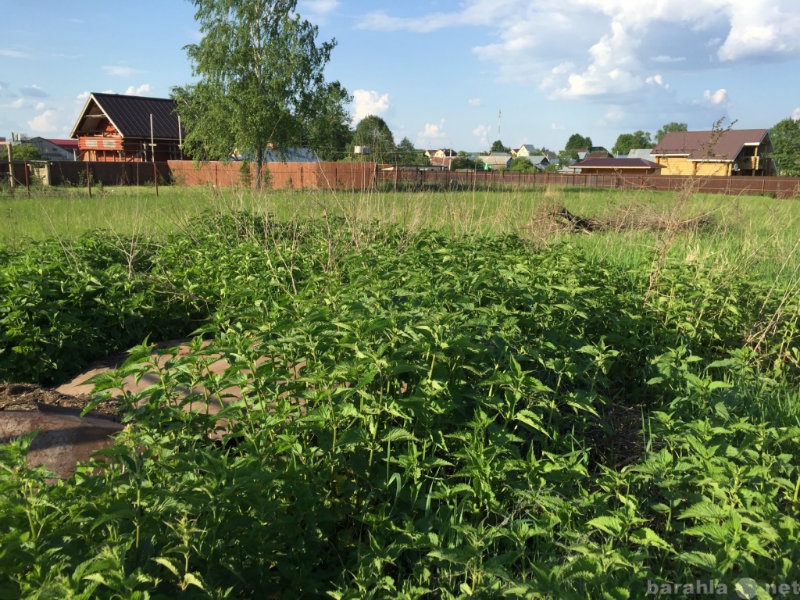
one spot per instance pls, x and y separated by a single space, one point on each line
446 411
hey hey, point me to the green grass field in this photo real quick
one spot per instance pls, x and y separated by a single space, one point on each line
747 232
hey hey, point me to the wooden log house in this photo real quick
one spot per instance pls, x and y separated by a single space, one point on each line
120 128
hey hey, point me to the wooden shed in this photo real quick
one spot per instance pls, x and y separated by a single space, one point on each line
119 128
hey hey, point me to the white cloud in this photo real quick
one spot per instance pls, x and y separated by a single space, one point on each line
475 102
18 103
657 80
317 9
594 48
796 114
33 91
142 90
761 27
481 133
8 53
665 59
432 133
716 98
369 102
379 20
120 71
44 122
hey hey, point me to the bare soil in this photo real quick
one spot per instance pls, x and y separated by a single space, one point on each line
31 397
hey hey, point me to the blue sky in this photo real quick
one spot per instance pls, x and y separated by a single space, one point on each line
444 73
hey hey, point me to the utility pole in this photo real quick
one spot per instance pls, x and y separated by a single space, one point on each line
153 154
499 124
10 166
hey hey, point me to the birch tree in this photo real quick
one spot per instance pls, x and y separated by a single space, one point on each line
260 79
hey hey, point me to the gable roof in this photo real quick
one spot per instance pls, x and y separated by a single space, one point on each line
710 145
645 153
65 144
496 158
616 163
130 116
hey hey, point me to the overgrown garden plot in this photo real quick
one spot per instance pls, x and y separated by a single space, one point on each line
475 414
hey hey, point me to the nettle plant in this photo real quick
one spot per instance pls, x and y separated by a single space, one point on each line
427 415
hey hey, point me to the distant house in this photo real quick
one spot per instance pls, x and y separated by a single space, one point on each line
119 128
525 150
720 153
593 152
619 166
441 157
645 153
540 161
441 153
55 149
496 160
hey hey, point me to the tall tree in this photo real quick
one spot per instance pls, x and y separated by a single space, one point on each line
373 131
497 146
575 142
785 137
406 154
260 75
628 141
327 123
670 127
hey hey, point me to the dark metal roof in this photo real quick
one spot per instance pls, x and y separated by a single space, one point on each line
710 145
616 163
130 115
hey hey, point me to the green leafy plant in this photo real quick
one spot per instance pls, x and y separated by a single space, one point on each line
404 414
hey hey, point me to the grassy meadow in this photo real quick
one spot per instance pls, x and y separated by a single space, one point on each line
466 394
745 232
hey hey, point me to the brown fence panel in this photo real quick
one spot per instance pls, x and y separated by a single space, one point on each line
212 173
322 175
366 175
77 173
779 187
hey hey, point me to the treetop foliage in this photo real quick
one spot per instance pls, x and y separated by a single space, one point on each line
785 137
498 146
373 131
629 141
673 126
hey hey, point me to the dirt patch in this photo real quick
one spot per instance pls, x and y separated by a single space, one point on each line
65 436
31 397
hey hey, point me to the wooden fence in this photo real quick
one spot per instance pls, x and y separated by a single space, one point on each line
364 176
779 187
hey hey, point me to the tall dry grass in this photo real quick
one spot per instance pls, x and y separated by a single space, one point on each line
632 227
